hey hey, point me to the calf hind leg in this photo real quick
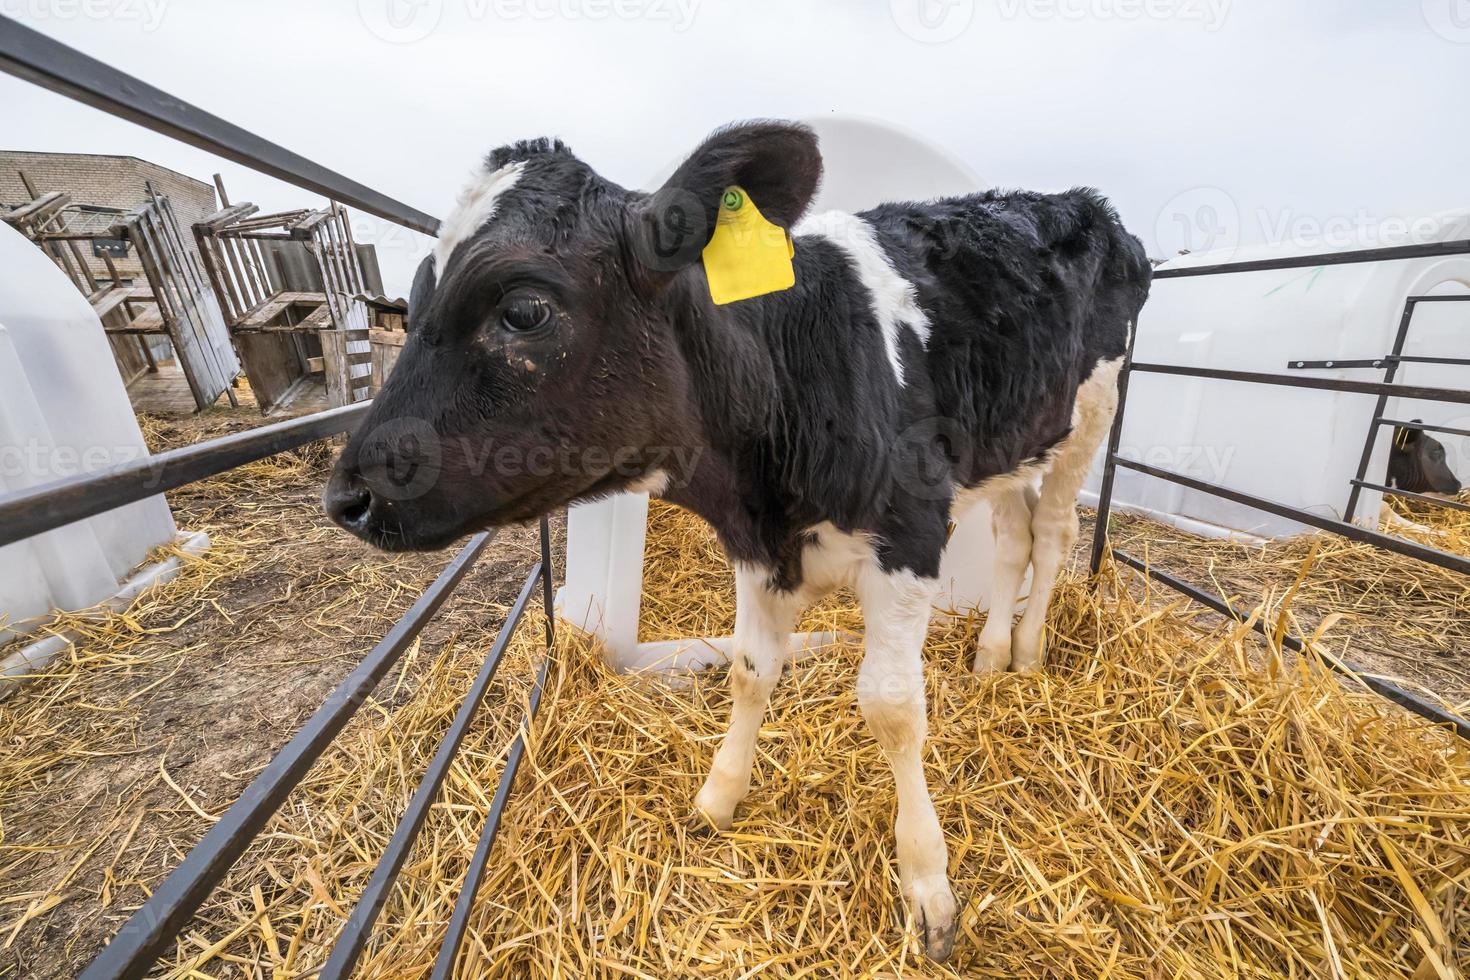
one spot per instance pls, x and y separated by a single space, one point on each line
1011 521
896 609
1054 523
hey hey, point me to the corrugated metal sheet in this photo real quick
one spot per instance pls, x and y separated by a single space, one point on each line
372 278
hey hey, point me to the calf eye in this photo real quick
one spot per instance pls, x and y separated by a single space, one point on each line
525 313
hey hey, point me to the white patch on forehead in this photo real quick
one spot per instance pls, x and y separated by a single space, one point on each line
895 301
474 208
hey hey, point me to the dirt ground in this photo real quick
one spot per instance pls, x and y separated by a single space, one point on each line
113 764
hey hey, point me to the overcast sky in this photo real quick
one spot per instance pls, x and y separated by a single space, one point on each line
1206 121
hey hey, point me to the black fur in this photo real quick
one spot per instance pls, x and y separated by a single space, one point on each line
1417 464
789 400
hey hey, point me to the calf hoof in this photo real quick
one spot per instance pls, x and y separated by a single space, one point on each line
992 659
711 814
1027 656
936 915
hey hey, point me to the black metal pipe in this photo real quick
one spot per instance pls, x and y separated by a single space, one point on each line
1389 690
1110 468
459 921
1376 362
1425 359
1380 405
1423 427
1423 498
547 599
1452 395
354 935
1443 559
142 938
31 55
60 502
1431 250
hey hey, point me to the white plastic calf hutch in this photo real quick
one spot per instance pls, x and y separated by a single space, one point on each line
1295 446
865 163
64 411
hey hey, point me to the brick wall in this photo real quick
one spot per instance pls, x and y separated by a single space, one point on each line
108 181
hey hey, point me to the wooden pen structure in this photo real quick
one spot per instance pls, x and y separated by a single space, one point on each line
174 301
287 336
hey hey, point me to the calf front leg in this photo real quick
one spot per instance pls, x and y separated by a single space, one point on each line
764 618
896 609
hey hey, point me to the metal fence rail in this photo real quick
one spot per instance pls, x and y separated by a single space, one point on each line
51 505
1390 367
143 937
31 55
1388 253
1379 685
1344 529
359 924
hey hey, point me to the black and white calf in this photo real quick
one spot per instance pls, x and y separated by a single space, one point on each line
929 356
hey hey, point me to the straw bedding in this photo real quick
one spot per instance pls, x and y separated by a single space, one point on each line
114 761
1392 614
1170 798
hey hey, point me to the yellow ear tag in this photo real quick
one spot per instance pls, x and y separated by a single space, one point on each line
747 256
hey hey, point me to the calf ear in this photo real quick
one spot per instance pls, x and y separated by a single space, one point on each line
1404 438
422 291
777 163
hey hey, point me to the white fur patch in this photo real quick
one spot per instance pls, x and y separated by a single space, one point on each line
834 558
1097 397
653 483
895 301
473 209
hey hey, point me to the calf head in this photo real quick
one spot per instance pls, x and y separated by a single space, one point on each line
1417 464
543 364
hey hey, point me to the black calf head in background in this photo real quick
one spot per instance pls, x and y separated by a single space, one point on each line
1417 464
543 364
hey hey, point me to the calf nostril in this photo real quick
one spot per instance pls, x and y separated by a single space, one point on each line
351 508
357 511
